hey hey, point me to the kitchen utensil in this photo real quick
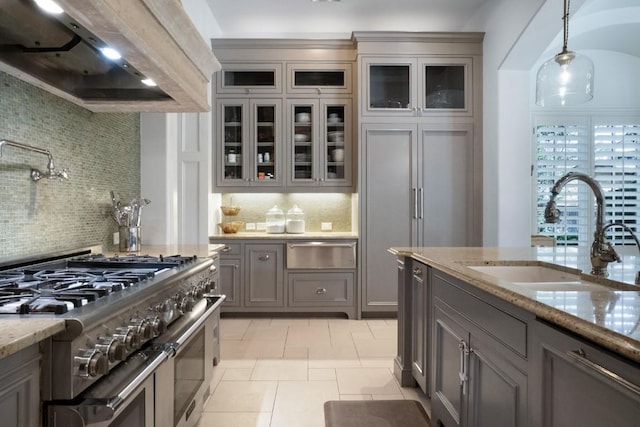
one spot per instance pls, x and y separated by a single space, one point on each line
230 227
336 136
230 210
303 117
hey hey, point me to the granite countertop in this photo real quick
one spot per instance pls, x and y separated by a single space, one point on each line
324 235
606 315
20 333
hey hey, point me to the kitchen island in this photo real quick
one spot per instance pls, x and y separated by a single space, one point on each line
492 348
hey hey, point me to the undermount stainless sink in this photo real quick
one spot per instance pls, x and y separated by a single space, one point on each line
544 278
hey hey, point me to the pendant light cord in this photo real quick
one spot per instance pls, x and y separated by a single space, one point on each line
565 18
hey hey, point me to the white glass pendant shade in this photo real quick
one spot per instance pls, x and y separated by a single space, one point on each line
566 79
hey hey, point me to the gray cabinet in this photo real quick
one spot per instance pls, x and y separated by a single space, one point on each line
250 149
419 187
255 279
479 366
320 143
420 325
230 274
421 86
20 388
264 275
578 383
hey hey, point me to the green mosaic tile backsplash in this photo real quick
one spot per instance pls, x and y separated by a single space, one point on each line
101 151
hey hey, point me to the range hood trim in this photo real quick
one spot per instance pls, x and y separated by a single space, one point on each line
158 39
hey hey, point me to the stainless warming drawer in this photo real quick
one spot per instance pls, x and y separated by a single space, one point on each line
321 255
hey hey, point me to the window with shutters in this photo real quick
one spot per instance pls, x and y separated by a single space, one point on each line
605 148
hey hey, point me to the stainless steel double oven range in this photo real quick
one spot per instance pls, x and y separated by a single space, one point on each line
141 335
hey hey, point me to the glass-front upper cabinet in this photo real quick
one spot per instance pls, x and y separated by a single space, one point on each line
250 78
416 87
389 86
445 85
320 143
319 78
251 143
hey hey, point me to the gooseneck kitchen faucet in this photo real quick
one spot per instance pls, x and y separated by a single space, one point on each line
37 175
602 252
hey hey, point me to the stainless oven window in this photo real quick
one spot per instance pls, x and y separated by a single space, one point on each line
189 375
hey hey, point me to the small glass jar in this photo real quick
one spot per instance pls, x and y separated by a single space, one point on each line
295 220
275 220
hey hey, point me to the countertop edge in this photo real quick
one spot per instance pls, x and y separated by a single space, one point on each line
23 332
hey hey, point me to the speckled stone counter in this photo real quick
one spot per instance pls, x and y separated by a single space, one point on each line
324 235
608 316
20 333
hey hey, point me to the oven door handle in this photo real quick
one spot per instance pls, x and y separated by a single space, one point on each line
193 328
131 387
96 411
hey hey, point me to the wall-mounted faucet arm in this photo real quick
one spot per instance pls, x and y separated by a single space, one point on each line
36 175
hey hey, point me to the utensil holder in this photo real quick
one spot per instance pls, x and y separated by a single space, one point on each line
129 239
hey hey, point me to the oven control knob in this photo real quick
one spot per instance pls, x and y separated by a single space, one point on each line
186 303
166 310
91 363
142 328
128 337
197 292
158 326
206 285
112 347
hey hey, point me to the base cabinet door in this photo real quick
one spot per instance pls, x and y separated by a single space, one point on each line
580 384
264 275
420 325
20 389
230 273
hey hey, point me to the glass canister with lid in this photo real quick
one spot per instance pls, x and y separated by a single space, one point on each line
275 220
295 220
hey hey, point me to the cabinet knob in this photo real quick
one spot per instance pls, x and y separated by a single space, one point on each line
321 291
248 90
417 272
264 257
319 91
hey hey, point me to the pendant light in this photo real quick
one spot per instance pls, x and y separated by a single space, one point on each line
567 78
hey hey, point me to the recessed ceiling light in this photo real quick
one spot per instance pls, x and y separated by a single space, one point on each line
148 82
110 53
49 6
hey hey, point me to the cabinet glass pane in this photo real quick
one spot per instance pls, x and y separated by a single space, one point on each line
389 86
303 142
319 78
335 142
249 78
233 137
266 142
444 86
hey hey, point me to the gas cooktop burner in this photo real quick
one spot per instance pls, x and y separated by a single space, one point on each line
60 286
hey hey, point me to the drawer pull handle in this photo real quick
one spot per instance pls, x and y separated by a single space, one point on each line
580 357
225 249
321 291
264 257
417 272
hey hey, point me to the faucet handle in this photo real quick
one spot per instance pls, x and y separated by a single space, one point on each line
610 254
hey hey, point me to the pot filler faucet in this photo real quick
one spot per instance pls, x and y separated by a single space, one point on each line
602 252
37 175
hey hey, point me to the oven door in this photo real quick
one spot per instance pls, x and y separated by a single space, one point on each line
183 385
124 398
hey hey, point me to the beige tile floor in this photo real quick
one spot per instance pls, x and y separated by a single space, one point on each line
278 372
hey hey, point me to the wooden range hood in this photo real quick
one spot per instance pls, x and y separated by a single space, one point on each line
157 40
